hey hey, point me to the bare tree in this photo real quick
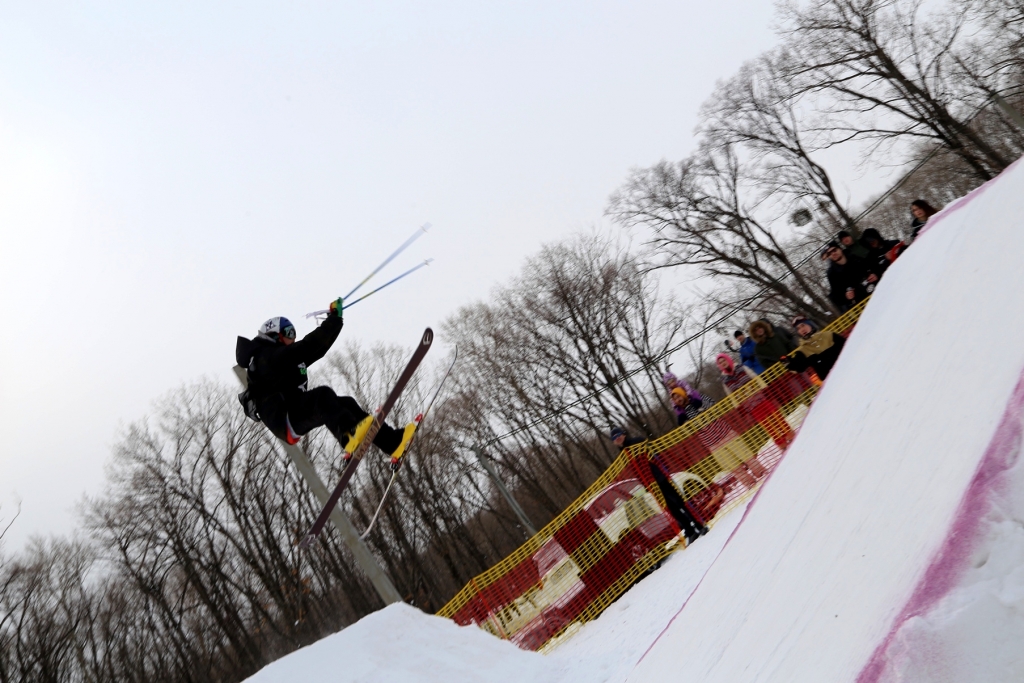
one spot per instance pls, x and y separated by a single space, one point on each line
698 214
581 328
756 111
889 73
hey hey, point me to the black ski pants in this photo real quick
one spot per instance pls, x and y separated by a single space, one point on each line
321 407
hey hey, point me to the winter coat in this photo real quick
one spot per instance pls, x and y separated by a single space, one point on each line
631 441
883 253
738 378
713 434
748 357
850 275
857 250
671 382
778 342
277 372
735 377
915 227
819 351
693 408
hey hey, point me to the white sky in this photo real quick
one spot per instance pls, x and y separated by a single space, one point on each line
172 176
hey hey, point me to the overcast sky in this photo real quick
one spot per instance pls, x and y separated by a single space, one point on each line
172 176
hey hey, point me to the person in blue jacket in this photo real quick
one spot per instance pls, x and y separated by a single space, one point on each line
746 350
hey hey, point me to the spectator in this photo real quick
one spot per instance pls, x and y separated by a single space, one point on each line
848 245
674 502
727 448
621 439
850 279
758 406
671 382
819 350
771 344
921 211
732 377
684 406
746 350
881 252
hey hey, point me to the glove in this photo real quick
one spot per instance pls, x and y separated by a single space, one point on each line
336 307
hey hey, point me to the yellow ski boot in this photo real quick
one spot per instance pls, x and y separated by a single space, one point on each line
407 435
357 436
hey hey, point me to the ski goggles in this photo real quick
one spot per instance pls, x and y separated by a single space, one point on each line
288 331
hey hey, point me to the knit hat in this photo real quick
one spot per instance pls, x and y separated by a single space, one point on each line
797 322
678 392
829 247
871 234
616 433
669 380
728 359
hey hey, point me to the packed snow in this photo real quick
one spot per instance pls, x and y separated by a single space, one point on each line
400 643
888 545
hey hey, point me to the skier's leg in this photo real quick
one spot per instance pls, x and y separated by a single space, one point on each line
388 438
341 415
321 407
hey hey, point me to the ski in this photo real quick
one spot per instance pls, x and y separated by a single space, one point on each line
357 455
397 465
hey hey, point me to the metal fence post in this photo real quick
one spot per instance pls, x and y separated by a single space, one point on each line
364 558
506 494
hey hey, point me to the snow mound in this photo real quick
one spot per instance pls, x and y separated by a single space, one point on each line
401 643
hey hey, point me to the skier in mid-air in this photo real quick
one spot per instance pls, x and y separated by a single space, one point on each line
278 395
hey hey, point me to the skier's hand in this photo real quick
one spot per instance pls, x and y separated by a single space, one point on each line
337 306
395 464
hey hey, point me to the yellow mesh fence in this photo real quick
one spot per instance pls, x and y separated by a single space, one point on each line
628 521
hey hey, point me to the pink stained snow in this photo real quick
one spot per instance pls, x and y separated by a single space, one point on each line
888 546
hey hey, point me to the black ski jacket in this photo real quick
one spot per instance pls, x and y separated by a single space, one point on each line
852 274
277 373
878 256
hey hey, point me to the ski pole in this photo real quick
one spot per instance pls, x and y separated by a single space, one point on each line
392 280
419 231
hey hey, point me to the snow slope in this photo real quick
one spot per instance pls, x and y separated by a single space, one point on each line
888 545
841 570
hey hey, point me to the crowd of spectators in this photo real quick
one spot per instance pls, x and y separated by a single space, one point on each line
855 266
